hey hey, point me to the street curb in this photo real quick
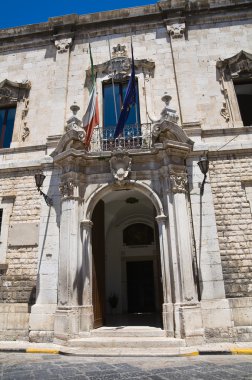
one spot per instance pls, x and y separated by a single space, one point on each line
52 351
241 351
30 350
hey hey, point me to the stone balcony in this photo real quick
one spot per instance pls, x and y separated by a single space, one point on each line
134 136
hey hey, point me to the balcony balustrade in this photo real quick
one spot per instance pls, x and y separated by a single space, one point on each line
134 136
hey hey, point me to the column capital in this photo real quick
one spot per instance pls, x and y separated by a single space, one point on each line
86 223
161 219
176 30
63 45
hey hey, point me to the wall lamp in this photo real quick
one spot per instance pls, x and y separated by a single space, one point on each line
204 166
39 179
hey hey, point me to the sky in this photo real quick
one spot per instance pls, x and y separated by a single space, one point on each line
22 12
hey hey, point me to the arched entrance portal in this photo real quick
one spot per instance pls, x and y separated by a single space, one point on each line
126 270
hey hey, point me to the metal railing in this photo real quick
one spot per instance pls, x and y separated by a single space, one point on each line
134 136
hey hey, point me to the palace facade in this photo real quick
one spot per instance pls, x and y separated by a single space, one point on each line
131 231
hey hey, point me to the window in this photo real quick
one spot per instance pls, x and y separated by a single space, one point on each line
138 234
7 117
1 218
243 92
235 77
109 117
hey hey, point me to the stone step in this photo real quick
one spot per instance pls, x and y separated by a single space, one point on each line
145 343
126 351
136 332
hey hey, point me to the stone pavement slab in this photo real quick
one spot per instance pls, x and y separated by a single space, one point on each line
39 366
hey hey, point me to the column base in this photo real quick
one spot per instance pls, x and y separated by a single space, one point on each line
41 323
71 321
168 322
188 323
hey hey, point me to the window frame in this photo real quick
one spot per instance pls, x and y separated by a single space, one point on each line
230 71
121 82
5 126
6 204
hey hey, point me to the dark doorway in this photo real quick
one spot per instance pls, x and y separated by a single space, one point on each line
140 287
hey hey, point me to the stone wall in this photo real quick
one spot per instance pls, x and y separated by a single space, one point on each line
230 181
18 278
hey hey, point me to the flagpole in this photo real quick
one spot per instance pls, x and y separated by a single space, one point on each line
131 39
113 84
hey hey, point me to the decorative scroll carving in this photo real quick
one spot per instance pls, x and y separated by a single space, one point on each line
238 66
224 112
119 67
26 132
63 45
176 30
119 51
12 92
178 182
120 165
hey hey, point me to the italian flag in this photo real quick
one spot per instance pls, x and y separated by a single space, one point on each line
91 117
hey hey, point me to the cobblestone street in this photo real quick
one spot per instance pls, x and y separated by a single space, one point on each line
38 366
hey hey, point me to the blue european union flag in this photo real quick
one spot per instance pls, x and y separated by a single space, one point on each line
129 100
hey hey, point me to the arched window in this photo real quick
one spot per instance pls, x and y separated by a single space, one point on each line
138 234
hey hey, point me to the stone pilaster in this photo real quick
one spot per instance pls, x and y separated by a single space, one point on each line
184 241
57 117
69 284
41 322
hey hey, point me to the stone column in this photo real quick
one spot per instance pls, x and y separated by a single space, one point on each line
166 279
86 316
69 299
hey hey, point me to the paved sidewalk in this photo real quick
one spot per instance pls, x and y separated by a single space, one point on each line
242 348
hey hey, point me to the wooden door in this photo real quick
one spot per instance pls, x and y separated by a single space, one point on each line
140 287
98 275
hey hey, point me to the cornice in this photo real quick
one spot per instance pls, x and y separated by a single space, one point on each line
128 19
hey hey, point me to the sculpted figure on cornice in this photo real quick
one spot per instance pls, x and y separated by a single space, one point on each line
75 134
166 128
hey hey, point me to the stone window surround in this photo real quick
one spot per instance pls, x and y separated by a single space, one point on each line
247 186
230 69
6 203
120 68
16 94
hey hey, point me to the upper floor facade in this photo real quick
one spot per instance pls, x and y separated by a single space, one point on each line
197 58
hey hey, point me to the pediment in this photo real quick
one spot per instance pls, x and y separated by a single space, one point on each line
12 92
119 67
238 65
